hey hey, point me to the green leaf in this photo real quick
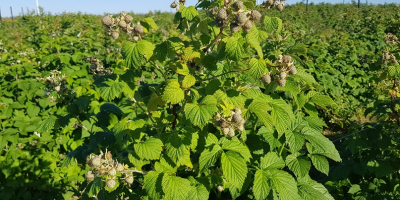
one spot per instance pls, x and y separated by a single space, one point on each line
322 100
282 115
176 188
148 23
152 184
188 81
392 72
200 114
198 193
313 190
173 93
295 140
177 147
48 124
110 90
272 161
234 48
133 53
261 187
235 145
234 168
284 184
95 187
209 156
300 165
320 163
188 12
320 144
260 109
150 149
273 24
111 108
257 67
354 189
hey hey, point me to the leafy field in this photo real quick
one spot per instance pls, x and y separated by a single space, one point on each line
219 100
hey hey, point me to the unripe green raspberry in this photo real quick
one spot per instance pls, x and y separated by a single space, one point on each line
108 155
138 29
247 26
110 183
293 70
173 5
112 172
237 118
96 161
266 79
89 176
241 18
282 75
287 59
255 15
268 3
222 14
128 19
282 82
234 28
280 6
220 188
122 24
107 20
129 179
231 132
240 128
115 35
238 5
225 131
120 167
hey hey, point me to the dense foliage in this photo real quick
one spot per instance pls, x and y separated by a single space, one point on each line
222 100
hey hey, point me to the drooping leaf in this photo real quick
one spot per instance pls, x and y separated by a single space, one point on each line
262 185
320 144
284 184
257 67
200 114
282 115
175 188
209 156
234 168
153 184
299 165
320 163
235 145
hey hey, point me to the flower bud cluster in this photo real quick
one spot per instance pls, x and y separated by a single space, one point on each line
236 15
230 123
391 39
55 82
97 68
283 68
278 4
175 3
107 168
124 22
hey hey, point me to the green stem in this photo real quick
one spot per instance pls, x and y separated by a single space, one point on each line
159 69
147 113
280 151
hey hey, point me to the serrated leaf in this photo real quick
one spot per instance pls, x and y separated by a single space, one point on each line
285 184
234 168
136 161
320 144
322 100
95 187
148 23
305 77
188 81
320 163
308 192
134 53
273 24
272 161
110 90
257 67
189 54
153 184
188 12
173 93
354 189
176 188
177 147
234 48
392 72
300 165
282 115
235 145
200 114
295 140
111 108
209 156
150 149
198 193
261 187
48 124
180 68
260 109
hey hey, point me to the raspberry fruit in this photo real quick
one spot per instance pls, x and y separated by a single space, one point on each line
255 15
231 132
282 82
240 128
108 155
222 14
266 79
89 176
110 183
128 19
220 188
129 179
120 167
173 5
96 161
234 28
138 29
219 22
287 59
247 26
280 6
241 18
115 35
225 131
282 75
293 70
107 20
237 118
238 5
182 2
112 172
269 3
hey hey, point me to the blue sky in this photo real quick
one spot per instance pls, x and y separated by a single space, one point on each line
115 6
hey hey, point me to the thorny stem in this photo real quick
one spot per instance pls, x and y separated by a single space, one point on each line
147 113
232 71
